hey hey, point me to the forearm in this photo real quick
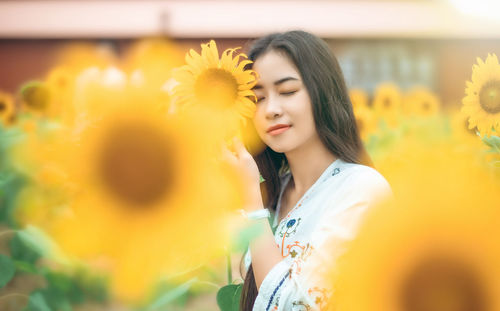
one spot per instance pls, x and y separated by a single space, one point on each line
265 252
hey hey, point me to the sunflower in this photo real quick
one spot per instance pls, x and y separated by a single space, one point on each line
7 108
366 122
97 90
359 99
435 247
35 97
76 57
152 60
219 86
461 131
145 192
387 103
482 100
421 102
60 82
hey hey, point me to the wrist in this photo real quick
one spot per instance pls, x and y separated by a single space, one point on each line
259 214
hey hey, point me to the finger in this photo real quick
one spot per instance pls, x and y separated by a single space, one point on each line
239 147
228 156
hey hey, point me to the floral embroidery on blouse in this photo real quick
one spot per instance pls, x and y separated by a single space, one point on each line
286 230
300 306
320 296
274 294
296 266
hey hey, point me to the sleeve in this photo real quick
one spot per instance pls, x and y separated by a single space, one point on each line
300 285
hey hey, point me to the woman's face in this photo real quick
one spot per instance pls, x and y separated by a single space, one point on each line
283 119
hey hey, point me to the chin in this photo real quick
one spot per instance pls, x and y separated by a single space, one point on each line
280 148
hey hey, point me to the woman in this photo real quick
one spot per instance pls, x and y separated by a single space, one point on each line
314 180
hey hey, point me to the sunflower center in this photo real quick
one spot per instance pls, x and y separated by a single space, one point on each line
62 82
217 88
387 102
443 285
3 106
489 97
36 97
136 164
426 106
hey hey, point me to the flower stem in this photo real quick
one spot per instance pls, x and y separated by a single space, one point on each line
229 268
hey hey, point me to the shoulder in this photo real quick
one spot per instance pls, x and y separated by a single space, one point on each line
363 179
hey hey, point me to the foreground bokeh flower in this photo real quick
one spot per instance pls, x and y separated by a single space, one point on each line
482 100
435 248
220 85
143 191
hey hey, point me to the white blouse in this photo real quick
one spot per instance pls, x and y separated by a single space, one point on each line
328 213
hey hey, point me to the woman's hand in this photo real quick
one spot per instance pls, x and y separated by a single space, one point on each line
242 161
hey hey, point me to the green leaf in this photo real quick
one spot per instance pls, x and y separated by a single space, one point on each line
24 249
228 297
7 270
24 266
36 302
40 243
493 142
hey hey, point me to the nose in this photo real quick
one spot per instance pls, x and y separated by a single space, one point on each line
274 108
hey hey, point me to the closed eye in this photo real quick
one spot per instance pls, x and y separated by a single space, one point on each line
260 99
288 93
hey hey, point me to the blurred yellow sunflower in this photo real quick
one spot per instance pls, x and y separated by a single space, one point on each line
145 192
150 61
387 103
482 100
433 249
35 97
76 57
421 102
7 108
366 122
60 82
359 99
221 86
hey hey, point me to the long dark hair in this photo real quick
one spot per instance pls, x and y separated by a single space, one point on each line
332 112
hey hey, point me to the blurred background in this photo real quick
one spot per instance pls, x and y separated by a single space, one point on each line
431 43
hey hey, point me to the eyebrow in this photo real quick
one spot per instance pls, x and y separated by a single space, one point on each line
278 82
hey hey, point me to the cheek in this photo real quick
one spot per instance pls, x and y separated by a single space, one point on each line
258 121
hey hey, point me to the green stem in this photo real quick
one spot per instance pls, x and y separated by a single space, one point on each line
229 268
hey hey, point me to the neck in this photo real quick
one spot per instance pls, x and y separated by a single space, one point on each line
307 164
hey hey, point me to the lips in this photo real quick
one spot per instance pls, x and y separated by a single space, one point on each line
277 129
